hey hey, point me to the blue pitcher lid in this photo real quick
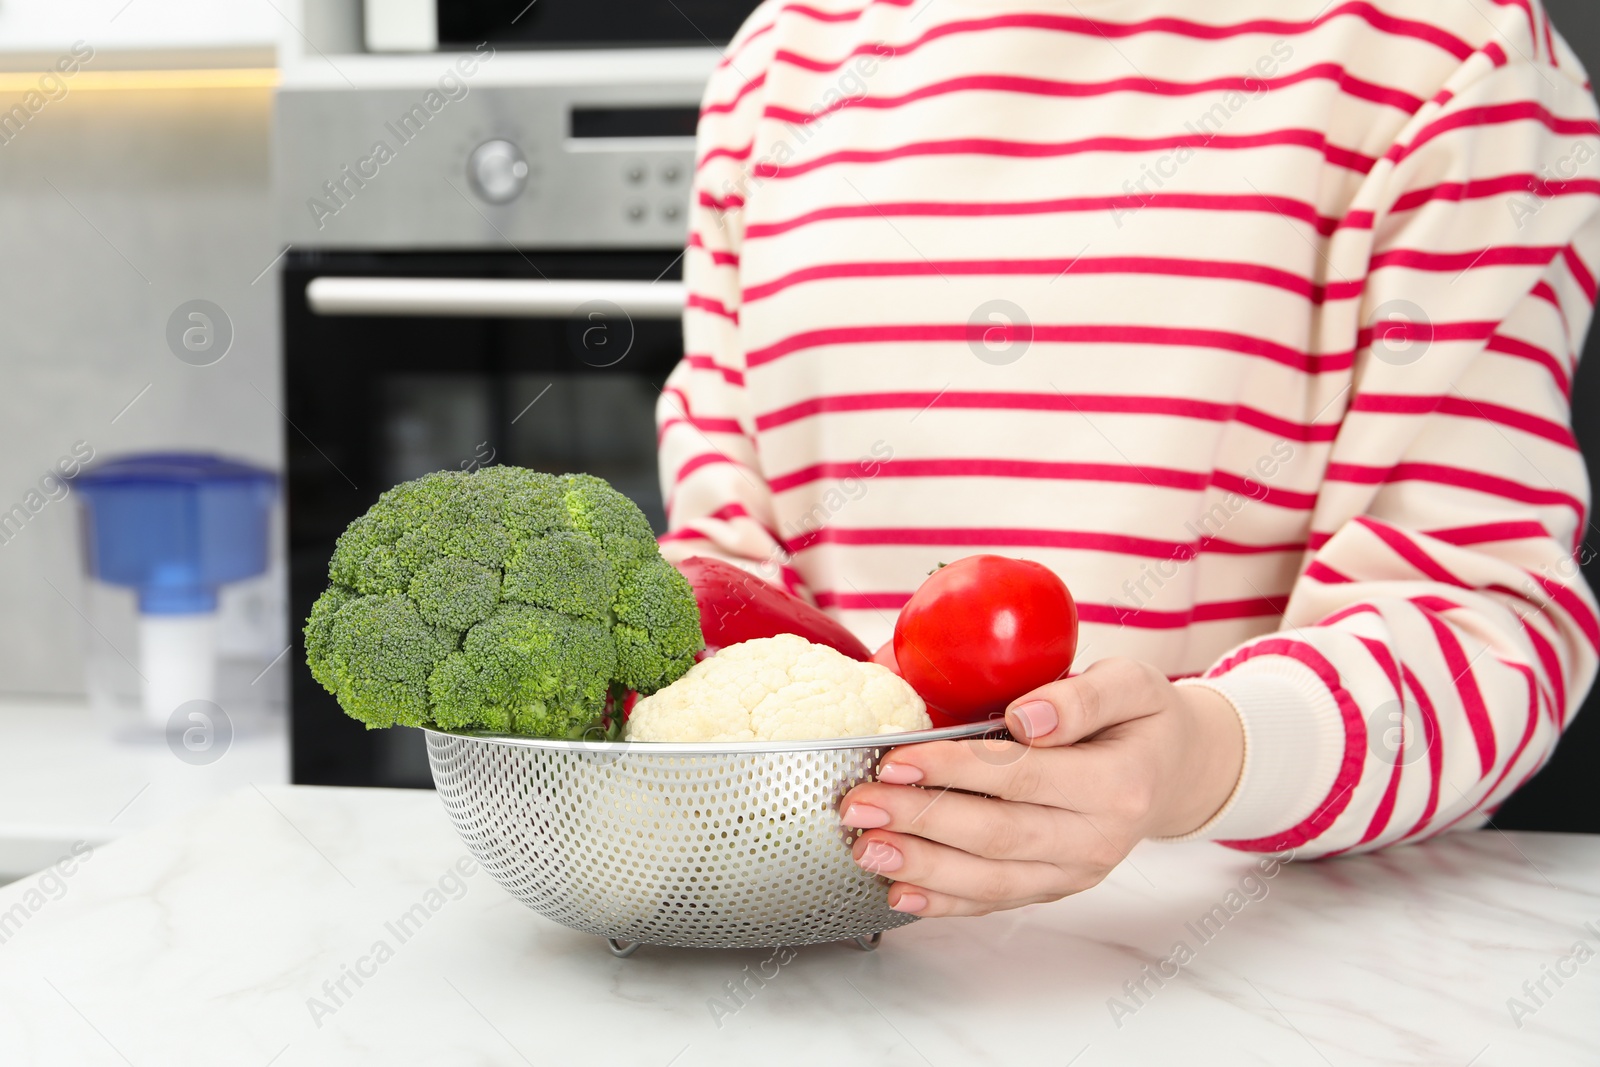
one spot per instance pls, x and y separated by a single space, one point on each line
174 468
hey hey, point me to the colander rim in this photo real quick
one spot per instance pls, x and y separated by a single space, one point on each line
728 748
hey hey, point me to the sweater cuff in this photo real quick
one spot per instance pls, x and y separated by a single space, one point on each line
1294 740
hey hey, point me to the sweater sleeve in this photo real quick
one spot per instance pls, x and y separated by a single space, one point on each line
1439 636
718 502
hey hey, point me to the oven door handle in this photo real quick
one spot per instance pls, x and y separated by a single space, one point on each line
493 297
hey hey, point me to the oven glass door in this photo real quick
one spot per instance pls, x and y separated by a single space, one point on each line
589 23
548 361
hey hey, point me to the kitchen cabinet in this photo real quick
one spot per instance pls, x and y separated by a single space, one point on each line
216 31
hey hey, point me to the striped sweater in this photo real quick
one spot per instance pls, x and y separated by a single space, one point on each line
1255 320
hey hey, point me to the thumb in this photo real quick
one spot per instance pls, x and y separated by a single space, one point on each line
1066 712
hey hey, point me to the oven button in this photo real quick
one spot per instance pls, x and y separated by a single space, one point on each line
670 211
635 173
636 211
669 173
497 171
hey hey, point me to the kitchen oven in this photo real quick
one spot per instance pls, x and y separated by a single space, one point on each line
428 25
502 289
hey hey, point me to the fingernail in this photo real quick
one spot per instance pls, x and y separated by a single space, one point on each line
865 817
899 774
910 902
880 858
1036 717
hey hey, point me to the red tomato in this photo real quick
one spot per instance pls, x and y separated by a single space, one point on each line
983 631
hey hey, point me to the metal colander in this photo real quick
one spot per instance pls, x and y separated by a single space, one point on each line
695 845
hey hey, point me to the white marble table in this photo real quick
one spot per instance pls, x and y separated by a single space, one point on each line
63 778
221 937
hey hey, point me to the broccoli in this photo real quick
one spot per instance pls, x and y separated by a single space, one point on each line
503 599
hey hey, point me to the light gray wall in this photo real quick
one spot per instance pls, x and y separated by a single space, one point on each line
116 207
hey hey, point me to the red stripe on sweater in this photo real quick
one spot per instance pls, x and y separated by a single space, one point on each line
1522 744
727 106
737 46
1410 552
1457 477
1379 20
1571 603
997 537
1255 273
1487 532
1460 406
1099 614
721 259
1385 809
1527 11
1298 210
704 425
1047 87
1241 344
1481 188
698 361
1466 686
1495 115
978 467
990 146
1544 291
1517 349
1430 727
1551 663
1457 262
1319 571
711 305
1181 407
704 459
685 415
1262 493
1580 271
1355 742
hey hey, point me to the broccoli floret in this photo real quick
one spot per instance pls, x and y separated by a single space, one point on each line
526 669
316 633
378 655
455 593
564 571
656 639
368 557
611 518
504 599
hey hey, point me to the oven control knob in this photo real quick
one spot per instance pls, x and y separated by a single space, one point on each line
497 171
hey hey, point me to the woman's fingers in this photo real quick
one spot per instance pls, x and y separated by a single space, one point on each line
983 826
979 825
1076 778
942 869
1111 691
932 904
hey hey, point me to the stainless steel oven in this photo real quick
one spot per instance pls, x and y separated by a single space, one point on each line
504 289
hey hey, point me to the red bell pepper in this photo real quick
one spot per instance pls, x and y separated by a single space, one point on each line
737 606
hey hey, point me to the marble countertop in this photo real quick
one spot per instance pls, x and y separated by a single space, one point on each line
261 930
67 779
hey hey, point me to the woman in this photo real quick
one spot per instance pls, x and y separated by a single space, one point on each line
1255 321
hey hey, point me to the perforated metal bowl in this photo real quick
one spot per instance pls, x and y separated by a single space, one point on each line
701 846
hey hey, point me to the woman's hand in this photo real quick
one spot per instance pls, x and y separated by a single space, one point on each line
1103 759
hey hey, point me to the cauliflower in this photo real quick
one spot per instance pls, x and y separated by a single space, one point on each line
781 688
